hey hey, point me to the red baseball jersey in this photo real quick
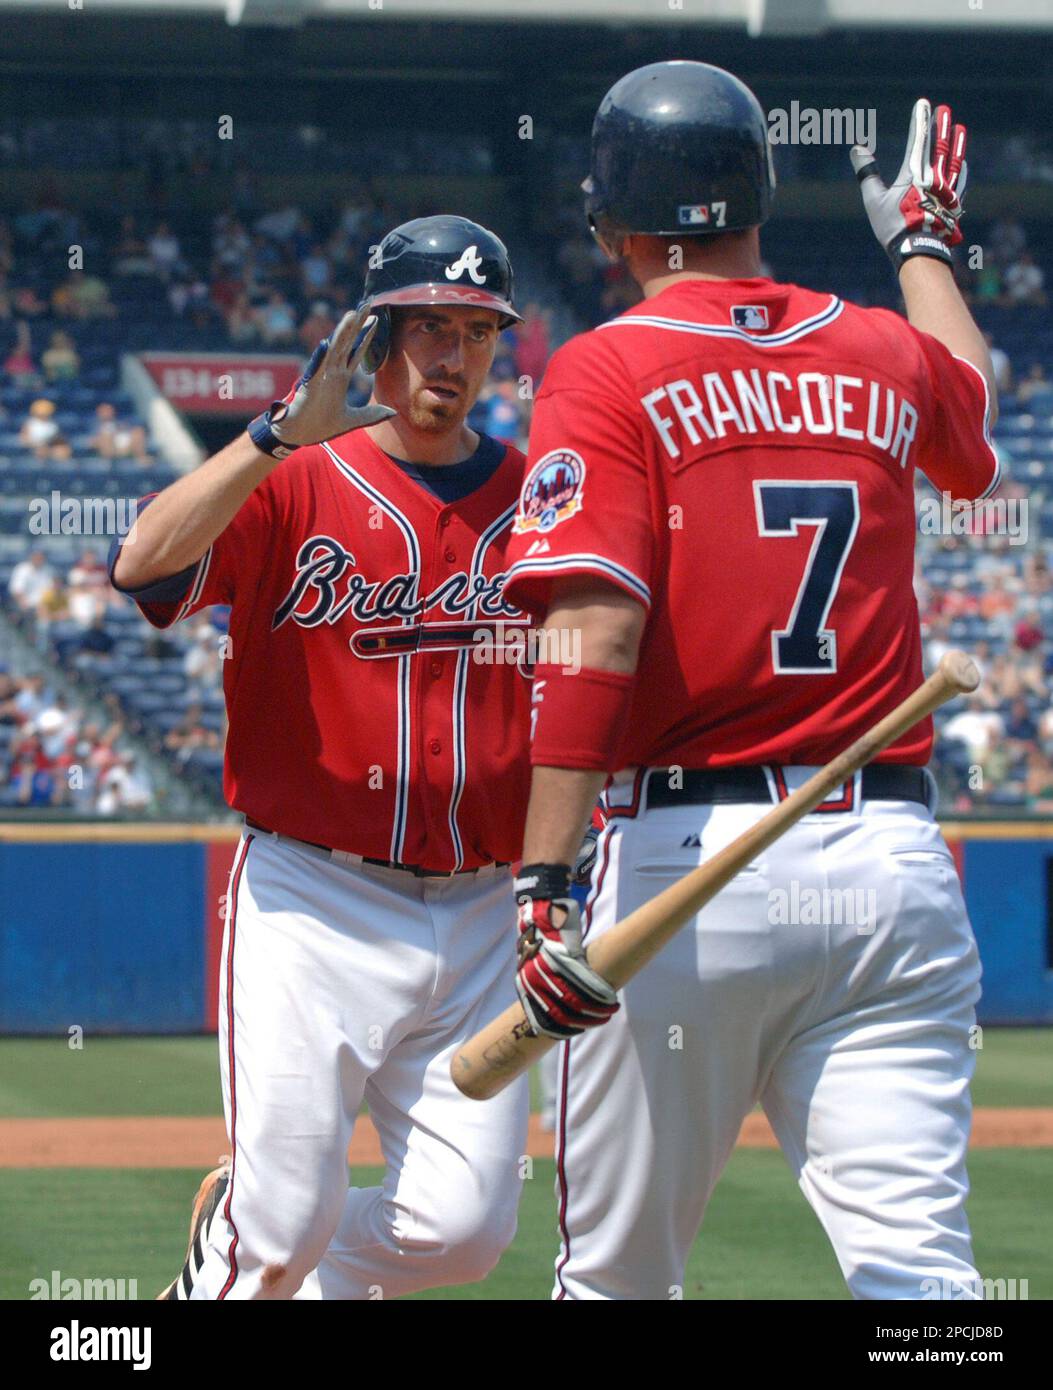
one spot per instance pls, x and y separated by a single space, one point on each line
372 687
739 455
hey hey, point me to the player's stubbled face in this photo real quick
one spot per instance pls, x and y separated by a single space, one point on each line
438 362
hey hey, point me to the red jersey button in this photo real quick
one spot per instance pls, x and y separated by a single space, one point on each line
451 555
444 521
436 668
435 746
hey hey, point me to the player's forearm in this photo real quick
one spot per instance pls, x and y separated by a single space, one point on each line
560 809
601 628
180 524
935 305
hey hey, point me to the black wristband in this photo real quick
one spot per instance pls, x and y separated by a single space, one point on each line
261 432
542 881
910 244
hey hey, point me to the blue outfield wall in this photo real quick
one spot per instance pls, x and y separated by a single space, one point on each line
114 935
107 936
1006 885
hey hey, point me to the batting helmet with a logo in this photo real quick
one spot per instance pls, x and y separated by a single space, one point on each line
437 260
678 149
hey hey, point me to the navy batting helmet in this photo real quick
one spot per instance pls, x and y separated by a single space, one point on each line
678 149
437 260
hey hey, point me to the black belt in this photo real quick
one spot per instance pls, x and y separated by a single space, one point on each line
415 869
730 785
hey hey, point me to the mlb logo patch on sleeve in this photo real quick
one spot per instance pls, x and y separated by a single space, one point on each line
750 316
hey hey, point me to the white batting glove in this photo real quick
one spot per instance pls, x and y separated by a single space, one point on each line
316 408
918 215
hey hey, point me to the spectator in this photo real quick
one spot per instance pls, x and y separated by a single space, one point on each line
35 784
1024 282
1034 383
32 580
532 344
40 432
55 725
31 699
276 321
1020 726
241 320
9 688
502 418
975 727
60 361
82 296
1003 370
96 639
202 664
165 254
19 364
27 304
89 589
116 440
124 787
190 734
317 325
316 270
1028 634
131 256
1039 782
230 243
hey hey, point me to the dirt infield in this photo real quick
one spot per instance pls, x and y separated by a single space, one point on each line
196 1142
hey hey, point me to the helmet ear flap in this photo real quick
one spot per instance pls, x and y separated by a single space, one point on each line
380 342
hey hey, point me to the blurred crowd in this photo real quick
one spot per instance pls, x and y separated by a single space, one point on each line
276 282
51 756
277 279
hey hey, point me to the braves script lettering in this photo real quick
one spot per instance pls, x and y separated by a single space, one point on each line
320 593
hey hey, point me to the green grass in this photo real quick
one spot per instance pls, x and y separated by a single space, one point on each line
1014 1067
760 1239
42 1077
180 1076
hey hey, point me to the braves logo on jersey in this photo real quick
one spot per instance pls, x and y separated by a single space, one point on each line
326 586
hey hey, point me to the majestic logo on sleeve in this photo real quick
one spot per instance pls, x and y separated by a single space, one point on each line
551 491
470 261
327 586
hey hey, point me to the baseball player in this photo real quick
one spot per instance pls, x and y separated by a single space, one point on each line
378 751
720 497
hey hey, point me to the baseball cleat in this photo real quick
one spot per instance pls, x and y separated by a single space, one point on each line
207 1202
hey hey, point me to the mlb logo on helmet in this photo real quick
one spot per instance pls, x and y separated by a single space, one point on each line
750 316
694 215
551 492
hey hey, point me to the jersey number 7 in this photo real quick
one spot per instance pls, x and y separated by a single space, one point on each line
806 646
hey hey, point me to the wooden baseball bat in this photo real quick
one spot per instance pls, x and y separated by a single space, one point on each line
506 1047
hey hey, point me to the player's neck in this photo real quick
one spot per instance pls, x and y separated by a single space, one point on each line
726 258
397 437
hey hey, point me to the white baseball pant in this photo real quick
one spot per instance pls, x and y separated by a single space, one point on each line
848 1017
344 982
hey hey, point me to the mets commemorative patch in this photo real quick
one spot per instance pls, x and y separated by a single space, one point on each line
551 491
